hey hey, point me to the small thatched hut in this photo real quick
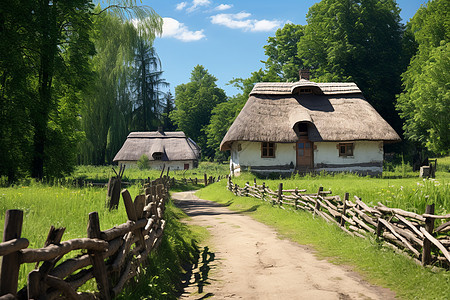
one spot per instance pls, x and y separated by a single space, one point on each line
164 149
308 126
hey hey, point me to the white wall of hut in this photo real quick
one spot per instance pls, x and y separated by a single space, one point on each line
367 157
159 164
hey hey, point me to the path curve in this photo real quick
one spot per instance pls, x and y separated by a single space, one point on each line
252 262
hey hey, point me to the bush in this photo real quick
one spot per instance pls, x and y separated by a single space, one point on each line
144 162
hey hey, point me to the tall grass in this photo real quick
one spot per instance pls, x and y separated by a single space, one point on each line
60 206
412 194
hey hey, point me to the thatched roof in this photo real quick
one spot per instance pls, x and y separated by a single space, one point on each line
170 145
334 112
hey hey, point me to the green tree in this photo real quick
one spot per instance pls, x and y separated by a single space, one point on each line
168 107
282 52
425 102
360 41
194 102
108 108
52 45
224 114
147 82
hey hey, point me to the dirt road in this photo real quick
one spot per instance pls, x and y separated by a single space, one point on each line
252 262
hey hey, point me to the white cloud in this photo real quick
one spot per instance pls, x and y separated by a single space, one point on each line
241 21
174 29
198 3
181 5
223 7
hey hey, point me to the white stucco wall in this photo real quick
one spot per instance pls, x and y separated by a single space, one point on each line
174 165
248 154
367 157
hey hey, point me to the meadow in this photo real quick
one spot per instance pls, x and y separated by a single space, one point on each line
67 203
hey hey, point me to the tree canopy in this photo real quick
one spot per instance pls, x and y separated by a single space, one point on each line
425 102
194 102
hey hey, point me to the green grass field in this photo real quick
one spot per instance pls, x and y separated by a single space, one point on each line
376 264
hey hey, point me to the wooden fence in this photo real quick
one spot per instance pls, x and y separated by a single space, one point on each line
205 180
112 256
405 232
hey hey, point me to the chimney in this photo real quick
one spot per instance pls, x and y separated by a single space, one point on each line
160 129
304 74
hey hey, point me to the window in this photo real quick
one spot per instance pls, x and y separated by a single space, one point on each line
267 149
345 149
157 156
305 91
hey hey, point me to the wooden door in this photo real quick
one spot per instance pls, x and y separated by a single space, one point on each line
304 154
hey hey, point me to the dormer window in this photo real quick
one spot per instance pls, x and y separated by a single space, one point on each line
303 91
157 156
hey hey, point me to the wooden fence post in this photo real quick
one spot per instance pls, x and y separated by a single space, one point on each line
10 263
246 188
429 226
280 194
296 199
346 197
99 267
263 193
317 206
254 182
206 179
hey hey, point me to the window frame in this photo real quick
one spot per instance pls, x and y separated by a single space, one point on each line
349 149
266 147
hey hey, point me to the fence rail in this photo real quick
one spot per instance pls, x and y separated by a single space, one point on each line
403 231
112 256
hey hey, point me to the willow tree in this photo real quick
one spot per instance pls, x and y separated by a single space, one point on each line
52 47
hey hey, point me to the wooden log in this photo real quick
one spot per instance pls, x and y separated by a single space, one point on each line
364 206
400 212
429 226
334 213
71 265
8 297
431 216
122 252
99 267
35 286
63 286
131 213
139 204
13 246
363 225
400 237
11 263
344 210
443 227
409 224
121 229
430 238
54 237
365 217
53 251
409 235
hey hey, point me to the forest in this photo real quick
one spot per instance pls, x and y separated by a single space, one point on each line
76 78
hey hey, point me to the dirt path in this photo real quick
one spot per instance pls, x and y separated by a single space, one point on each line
252 262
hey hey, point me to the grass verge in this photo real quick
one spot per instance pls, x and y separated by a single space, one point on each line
162 276
376 264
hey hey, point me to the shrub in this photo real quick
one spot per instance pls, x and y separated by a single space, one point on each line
144 162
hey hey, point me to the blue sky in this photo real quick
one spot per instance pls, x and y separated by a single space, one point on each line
227 37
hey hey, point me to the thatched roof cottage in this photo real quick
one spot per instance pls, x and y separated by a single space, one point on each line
308 126
169 149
